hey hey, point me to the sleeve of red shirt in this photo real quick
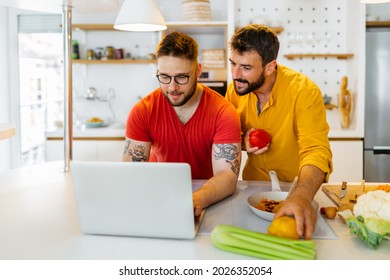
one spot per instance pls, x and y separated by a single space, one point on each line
137 125
228 125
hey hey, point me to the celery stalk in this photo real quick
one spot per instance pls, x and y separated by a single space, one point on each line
241 246
291 252
260 245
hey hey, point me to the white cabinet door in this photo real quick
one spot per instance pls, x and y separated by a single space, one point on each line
85 150
347 161
110 150
82 150
54 150
103 150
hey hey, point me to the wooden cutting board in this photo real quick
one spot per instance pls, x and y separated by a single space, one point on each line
354 190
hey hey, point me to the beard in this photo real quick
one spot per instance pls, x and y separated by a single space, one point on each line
185 96
250 87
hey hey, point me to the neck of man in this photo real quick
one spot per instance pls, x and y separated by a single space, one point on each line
186 111
263 93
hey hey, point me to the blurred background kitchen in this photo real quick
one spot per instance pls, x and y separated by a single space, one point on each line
112 70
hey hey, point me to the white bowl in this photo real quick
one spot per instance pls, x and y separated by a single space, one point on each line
94 124
255 199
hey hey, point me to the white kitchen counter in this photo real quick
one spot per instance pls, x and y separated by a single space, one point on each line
38 220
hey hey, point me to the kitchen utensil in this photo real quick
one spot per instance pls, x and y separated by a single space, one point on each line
351 196
342 193
274 181
91 93
343 190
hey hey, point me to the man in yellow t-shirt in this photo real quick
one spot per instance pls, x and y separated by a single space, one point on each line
289 106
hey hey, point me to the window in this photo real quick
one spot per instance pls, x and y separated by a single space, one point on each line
40 82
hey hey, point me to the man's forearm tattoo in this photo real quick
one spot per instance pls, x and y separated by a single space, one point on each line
230 153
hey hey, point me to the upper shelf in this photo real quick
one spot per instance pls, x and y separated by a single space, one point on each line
182 24
336 55
114 61
276 29
201 26
378 24
89 27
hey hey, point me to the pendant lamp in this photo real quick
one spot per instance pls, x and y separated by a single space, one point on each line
140 15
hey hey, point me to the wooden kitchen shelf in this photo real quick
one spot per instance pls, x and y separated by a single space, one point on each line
114 61
92 27
182 24
209 25
378 24
201 27
303 55
275 29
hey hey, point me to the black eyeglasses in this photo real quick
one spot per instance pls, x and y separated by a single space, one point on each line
179 79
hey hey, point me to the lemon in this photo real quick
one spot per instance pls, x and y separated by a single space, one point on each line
284 227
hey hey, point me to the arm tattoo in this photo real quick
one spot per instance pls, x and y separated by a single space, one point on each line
127 145
138 153
229 152
235 166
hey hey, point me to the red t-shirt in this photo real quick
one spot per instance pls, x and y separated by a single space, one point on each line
215 121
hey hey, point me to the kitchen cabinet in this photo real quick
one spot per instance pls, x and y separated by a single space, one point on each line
347 160
86 149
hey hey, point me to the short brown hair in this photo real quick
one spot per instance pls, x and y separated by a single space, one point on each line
259 38
179 45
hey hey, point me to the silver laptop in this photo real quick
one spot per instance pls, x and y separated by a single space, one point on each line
135 199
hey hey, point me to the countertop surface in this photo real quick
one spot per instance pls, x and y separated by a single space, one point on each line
83 131
119 131
38 220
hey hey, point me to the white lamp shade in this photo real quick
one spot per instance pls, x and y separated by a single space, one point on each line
140 15
374 1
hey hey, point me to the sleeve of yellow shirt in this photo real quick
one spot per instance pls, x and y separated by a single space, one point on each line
313 129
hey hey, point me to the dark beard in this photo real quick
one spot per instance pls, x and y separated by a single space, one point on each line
185 100
251 86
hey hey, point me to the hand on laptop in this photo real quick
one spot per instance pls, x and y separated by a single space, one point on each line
222 185
197 201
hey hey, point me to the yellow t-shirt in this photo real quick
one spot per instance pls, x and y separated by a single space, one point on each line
296 119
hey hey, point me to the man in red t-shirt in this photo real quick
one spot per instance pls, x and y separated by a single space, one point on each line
184 121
